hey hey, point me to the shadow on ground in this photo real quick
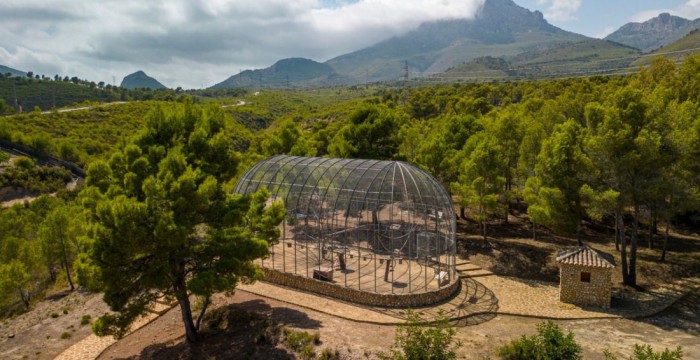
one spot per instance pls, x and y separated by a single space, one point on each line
236 331
473 304
684 315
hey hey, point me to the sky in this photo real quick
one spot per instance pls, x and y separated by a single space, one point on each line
198 43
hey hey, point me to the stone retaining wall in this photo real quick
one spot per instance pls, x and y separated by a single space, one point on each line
360 297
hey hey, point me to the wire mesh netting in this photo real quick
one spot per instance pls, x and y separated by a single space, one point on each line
377 226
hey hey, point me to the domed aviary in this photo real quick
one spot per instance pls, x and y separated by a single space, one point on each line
373 232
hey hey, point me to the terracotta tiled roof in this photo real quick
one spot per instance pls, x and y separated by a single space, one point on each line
585 256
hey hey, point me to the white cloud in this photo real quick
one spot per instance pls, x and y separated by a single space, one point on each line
193 43
606 31
645 15
689 10
562 10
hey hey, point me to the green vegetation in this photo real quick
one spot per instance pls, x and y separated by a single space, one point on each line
85 320
161 217
300 341
617 152
416 340
36 180
549 343
645 352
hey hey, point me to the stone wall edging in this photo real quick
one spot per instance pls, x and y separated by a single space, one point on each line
357 296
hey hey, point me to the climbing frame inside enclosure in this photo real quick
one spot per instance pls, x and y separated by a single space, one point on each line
383 227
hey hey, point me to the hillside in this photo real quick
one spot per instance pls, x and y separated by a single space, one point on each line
676 51
139 80
654 33
581 58
502 28
47 94
13 72
284 73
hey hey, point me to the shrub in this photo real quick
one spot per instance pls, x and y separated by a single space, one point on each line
85 320
329 354
307 352
66 335
549 343
25 163
645 352
297 340
54 315
416 340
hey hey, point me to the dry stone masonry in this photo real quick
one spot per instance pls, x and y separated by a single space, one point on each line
585 276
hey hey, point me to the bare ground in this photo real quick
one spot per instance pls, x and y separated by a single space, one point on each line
509 251
163 339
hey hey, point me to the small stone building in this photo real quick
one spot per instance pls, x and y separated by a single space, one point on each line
585 275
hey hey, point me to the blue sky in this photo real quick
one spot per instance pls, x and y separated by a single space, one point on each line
197 43
598 18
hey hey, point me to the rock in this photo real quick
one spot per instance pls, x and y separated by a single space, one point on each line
11 336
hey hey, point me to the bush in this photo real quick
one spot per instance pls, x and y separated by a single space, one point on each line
307 352
298 340
416 340
645 352
549 343
329 354
54 315
66 335
85 320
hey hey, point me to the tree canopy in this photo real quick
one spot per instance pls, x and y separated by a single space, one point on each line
163 225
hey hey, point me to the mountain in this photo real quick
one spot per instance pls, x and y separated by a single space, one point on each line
4 70
139 80
654 33
677 50
501 28
586 57
284 73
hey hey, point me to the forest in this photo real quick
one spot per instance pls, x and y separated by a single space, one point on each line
622 151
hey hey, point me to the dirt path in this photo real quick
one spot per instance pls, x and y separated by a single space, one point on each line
679 325
39 334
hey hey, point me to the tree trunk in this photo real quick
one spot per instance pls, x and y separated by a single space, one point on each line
70 281
207 301
52 273
651 233
534 231
663 249
25 298
66 266
617 233
483 229
184 301
578 233
623 248
462 212
633 247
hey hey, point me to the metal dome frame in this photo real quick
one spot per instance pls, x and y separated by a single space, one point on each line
388 226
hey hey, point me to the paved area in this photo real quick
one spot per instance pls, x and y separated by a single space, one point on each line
92 346
480 299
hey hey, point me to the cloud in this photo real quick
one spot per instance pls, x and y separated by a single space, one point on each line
689 10
561 10
191 43
606 31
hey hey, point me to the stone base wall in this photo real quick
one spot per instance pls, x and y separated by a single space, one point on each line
572 290
360 297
